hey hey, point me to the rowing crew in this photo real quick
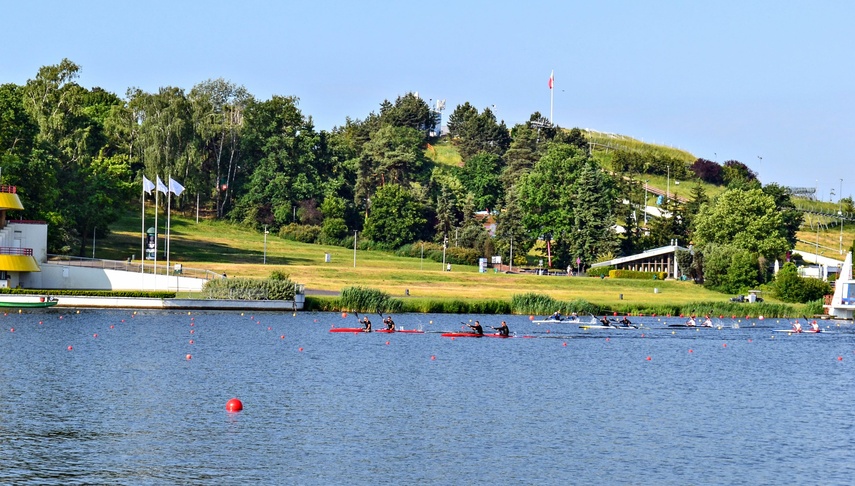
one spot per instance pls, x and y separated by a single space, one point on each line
387 321
501 330
557 317
624 322
692 323
814 327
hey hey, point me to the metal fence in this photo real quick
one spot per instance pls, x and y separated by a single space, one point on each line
133 266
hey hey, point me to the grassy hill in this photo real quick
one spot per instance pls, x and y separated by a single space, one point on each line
227 248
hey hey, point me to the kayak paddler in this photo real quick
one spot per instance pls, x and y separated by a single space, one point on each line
797 327
503 329
625 322
556 316
477 328
605 321
366 324
814 326
390 324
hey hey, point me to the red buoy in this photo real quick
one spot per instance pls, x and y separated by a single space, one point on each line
234 405
70 348
189 357
648 358
344 315
531 318
433 358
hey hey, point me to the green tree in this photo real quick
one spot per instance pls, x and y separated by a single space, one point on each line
285 162
395 218
791 217
409 111
474 132
745 219
480 176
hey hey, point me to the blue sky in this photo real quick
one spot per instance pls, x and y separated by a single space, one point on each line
724 80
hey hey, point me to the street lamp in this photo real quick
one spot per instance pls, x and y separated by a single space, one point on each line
265 244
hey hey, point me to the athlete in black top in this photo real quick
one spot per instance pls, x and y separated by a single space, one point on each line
503 329
366 324
477 328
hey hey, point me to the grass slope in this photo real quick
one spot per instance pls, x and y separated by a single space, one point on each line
223 247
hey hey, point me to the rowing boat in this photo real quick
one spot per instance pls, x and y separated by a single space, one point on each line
803 331
28 304
471 334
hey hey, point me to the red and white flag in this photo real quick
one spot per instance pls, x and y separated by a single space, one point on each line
551 79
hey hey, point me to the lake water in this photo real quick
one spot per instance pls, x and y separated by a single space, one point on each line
709 406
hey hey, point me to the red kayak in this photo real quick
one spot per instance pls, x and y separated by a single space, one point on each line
405 331
471 334
347 329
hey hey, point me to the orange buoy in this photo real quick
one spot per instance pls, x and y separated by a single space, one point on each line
282 337
234 405
614 314
300 350
111 326
192 331
531 318
189 357
724 345
690 350
387 342
344 315
191 342
840 358
565 343
648 358
433 358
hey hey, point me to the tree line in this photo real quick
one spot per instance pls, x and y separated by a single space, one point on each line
78 155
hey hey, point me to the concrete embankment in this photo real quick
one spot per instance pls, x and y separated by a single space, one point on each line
176 304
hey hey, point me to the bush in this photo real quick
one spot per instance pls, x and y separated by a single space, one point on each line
250 289
636 275
300 232
363 299
790 287
599 271
532 303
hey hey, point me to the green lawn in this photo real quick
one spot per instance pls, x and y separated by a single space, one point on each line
226 248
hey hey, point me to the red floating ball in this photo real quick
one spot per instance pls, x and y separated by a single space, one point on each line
648 358
343 315
70 348
531 318
234 405
189 357
433 358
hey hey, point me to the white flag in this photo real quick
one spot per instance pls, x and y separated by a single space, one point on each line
147 185
161 186
175 187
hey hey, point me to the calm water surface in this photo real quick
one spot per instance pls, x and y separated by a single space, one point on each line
709 406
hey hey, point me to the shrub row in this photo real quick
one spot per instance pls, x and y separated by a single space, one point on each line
636 275
250 289
148 294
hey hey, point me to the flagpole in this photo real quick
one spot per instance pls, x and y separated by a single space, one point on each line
168 218
551 93
156 206
142 236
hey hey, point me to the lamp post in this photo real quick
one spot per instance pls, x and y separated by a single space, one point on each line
840 213
265 244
